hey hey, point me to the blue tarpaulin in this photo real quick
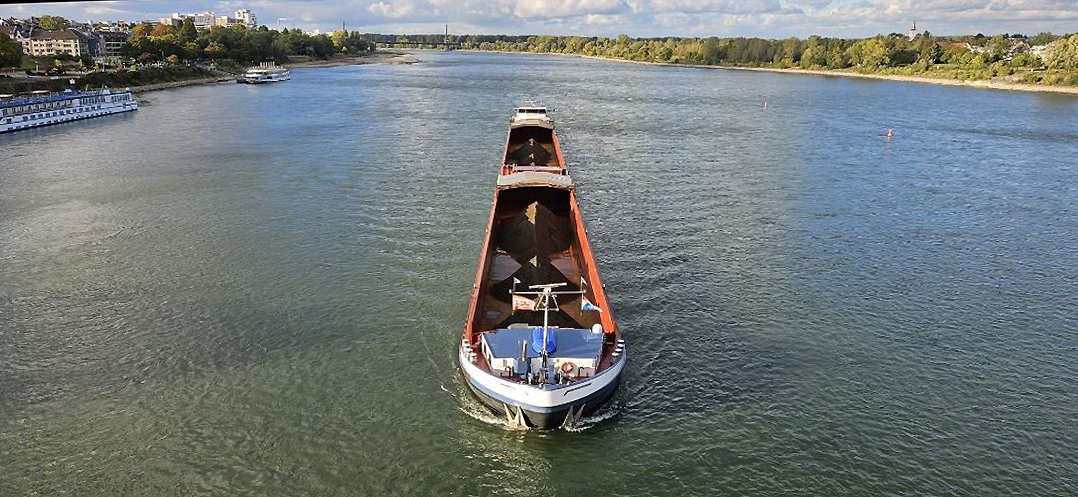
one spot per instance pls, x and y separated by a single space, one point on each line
570 342
537 340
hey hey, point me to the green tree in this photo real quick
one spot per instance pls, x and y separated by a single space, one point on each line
215 50
870 54
140 31
340 40
188 33
192 51
1043 39
10 52
930 54
161 30
1062 54
1025 60
54 23
710 52
815 53
999 47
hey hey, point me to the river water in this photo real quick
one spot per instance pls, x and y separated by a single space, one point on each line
245 290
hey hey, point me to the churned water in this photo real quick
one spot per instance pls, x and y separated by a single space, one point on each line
245 290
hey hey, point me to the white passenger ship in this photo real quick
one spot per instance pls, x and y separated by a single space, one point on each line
42 108
267 72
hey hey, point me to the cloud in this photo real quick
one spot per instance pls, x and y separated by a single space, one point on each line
566 8
717 6
604 20
104 8
396 9
766 18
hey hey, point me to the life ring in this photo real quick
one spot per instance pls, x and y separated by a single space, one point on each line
567 367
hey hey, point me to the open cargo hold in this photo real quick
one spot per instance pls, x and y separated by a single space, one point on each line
536 238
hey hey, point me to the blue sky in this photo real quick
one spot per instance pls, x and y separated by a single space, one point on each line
765 18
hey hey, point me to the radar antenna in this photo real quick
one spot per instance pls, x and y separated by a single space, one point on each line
546 300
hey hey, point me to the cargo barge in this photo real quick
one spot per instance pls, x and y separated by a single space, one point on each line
540 344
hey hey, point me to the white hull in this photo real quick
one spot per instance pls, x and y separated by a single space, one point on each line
267 75
546 406
74 113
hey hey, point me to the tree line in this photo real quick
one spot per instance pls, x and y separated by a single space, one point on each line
238 43
963 57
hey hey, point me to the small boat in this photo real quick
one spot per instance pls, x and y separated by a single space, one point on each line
266 72
540 343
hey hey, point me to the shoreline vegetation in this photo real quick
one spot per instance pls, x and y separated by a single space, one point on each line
158 56
166 55
987 84
148 79
379 57
1043 62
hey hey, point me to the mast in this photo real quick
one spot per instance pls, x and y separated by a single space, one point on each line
545 295
546 327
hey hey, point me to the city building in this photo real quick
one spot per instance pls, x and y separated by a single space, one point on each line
20 34
203 19
69 41
247 18
206 20
111 43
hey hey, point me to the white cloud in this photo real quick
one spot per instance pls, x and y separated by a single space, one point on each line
604 20
104 8
718 6
566 8
766 18
396 9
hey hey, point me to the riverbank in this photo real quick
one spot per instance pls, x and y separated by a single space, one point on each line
141 79
378 57
155 79
993 85
179 84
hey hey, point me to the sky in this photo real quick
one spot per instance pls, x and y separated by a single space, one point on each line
637 18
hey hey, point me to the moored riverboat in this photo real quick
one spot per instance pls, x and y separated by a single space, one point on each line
540 343
43 108
266 72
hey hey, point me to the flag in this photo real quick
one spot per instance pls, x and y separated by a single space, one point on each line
523 303
582 282
586 305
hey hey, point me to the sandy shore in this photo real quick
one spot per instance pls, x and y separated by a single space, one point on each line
915 79
373 58
1072 90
